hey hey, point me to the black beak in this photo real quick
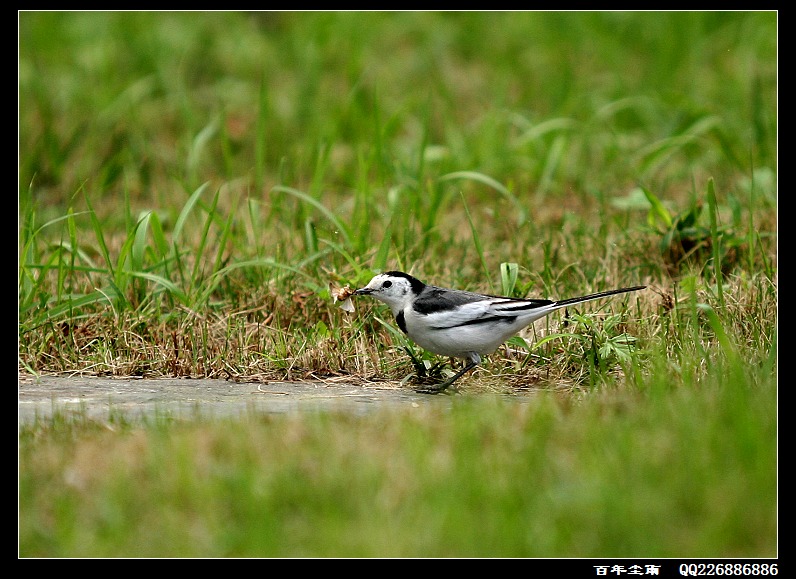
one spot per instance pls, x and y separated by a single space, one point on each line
363 292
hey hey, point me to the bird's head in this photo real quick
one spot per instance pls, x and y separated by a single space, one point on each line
394 288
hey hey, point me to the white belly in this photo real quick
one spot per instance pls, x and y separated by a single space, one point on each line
461 340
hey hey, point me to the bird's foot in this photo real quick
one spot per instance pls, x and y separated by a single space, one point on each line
435 388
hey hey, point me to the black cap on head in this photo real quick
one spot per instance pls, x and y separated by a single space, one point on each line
417 285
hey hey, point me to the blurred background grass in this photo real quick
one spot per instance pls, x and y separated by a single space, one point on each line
553 105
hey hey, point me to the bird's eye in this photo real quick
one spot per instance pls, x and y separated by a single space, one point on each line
387 283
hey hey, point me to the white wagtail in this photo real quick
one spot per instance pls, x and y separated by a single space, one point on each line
457 323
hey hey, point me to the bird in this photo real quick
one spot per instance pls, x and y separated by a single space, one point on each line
461 324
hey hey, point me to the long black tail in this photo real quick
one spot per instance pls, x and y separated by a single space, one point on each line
598 295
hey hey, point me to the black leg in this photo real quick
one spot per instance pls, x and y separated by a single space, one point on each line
437 388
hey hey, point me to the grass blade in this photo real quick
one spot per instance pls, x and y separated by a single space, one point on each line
522 214
477 242
715 241
186 211
339 225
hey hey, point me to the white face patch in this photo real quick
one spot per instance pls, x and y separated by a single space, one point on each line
391 287
393 290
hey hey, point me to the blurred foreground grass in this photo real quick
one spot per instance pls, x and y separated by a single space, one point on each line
681 473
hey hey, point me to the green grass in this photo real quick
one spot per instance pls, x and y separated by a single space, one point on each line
190 183
680 473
